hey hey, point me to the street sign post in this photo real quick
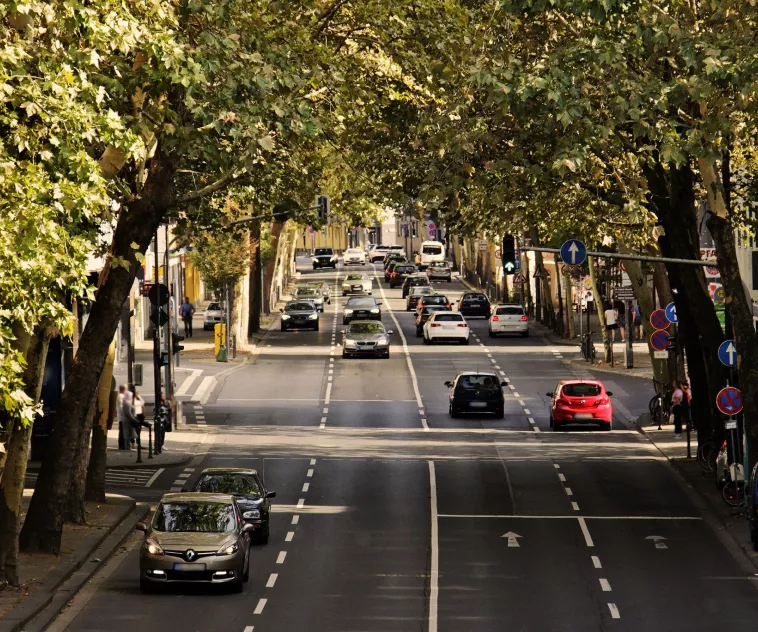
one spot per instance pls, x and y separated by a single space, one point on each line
728 353
623 293
574 252
659 340
671 313
518 279
661 355
659 320
729 400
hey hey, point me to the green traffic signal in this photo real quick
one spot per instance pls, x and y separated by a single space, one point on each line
508 254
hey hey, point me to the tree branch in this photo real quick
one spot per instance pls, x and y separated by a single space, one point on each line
212 188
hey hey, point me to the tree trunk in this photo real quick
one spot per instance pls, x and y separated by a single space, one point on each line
738 302
14 472
672 198
268 272
95 487
136 224
256 290
548 315
569 311
600 310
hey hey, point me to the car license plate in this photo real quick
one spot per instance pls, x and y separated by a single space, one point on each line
357 287
583 416
478 404
179 566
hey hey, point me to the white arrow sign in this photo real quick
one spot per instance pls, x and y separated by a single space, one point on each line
731 352
573 249
658 541
512 538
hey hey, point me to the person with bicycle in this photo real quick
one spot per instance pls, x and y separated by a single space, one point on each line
677 408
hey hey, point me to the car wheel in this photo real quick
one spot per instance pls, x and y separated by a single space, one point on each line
316 327
284 328
452 412
607 426
147 587
500 415
263 538
344 355
419 332
387 354
246 571
492 333
464 341
556 426
525 334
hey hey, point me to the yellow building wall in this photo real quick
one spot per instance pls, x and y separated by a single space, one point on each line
192 282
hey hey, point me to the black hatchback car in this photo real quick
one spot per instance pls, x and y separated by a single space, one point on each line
474 304
477 392
390 267
248 489
420 280
361 308
300 314
400 273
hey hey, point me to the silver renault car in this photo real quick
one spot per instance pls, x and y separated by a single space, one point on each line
195 538
366 338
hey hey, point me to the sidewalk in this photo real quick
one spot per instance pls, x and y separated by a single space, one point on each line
48 582
180 446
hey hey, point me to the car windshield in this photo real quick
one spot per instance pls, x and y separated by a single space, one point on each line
302 306
394 247
366 328
214 307
428 309
510 311
474 298
361 302
435 300
448 318
419 281
323 251
201 517
236 484
353 251
421 291
476 382
307 291
581 390
432 250
405 269
354 277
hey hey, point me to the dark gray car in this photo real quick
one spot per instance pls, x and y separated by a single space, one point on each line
300 314
366 338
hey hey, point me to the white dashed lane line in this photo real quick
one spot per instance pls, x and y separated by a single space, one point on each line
282 557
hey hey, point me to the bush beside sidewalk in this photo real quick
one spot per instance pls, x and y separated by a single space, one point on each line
49 582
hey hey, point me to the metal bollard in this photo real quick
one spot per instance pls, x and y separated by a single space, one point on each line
139 449
150 442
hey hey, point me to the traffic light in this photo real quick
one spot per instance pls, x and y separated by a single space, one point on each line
175 340
158 316
509 254
164 358
324 207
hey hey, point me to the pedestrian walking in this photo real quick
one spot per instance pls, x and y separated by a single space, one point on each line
687 405
677 409
162 420
611 324
139 413
188 309
130 421
638 322
621 314
123 428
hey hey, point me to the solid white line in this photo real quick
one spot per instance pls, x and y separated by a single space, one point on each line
596 561
575 506
185 387
290 535
435 554
605 585
306 487
310 473
261 605
573 517
271 580
586 532
154 476
562 477
282 555
300 503
614 611
568 491
205 388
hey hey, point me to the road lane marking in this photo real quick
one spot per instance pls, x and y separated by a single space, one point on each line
521 403
300 503
527 411
204 390
515 393
248 628
497 366
562 478
572 517
326 410
575 506
154 476
435 553
282 555
271 580
313 461
605 584
556 466
596 561
587 537
531 420
261 605
615 614
188 382
310 473
306 487
176 489
569 492
424 425
290 535
295 519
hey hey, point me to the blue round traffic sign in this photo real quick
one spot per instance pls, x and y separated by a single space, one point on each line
659 340
729 400
728 353
671 313
659 320
573 252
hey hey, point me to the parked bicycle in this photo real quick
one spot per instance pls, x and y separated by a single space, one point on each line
707 454
588 348
660 404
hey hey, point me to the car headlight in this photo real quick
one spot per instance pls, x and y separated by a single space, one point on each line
375 311
313 317
252 513
345 286
350 344
314 259
153 548
228 550
383 342
348 312
285 317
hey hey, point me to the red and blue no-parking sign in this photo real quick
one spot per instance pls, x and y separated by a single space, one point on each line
659 340
729 400
659 320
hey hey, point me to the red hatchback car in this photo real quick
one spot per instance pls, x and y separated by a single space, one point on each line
580 402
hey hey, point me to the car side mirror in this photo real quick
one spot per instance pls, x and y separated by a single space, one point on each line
448 384
248 528
281 310
609 394
140 526
390 331
550 394
270 494
504 383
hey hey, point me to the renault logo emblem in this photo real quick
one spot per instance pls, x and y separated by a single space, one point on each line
190 555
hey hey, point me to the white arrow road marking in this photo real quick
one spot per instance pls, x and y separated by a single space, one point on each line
658 541
512 538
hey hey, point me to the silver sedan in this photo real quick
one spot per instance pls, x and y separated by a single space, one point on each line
366 338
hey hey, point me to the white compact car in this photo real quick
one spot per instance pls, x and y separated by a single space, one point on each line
353 257
213 315
446 326
509 319
357 283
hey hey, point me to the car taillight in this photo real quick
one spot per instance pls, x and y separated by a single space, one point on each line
447 269
393 274
495 318
524 318
435 325
462 325
602 401
562 402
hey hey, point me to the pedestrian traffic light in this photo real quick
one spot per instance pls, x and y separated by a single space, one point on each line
508 254
324 207
175 340
164 358
158 316
414 226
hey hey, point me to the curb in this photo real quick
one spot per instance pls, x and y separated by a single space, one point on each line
146 462
39 609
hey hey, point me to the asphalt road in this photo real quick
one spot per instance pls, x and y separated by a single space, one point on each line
391 516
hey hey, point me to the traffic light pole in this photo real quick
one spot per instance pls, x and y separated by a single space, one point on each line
157 335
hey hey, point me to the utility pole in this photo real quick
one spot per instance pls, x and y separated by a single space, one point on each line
156 331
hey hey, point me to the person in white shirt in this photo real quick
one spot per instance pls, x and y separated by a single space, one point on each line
611 323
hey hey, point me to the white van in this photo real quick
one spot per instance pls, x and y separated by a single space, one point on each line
431 252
